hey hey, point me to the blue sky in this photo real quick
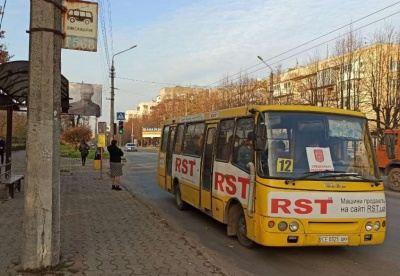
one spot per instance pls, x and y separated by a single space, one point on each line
196 42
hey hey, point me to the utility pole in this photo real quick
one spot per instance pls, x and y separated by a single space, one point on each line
112 75
131 117
41 229
271 82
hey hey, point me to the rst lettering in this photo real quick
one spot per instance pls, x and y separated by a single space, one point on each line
231 184
184 166
304 206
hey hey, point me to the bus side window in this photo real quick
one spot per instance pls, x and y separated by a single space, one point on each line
164 141
179 138
245 152
225 143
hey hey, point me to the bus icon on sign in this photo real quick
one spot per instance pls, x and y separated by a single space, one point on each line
80 15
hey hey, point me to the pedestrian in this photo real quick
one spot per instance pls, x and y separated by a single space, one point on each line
246 152
115 164
2 149
84 149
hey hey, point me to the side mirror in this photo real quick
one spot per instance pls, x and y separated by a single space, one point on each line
260 139
390 146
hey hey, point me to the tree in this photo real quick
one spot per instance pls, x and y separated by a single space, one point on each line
4 54
382 79
348 69
73 136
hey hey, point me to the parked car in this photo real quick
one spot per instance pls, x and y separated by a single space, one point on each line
130 147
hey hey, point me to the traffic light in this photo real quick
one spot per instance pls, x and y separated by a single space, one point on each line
115 129
121 127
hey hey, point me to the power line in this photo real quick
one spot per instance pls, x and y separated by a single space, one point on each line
110 26
154 82
2 14
261 63
276 62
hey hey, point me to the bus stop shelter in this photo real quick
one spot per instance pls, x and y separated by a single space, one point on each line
14 92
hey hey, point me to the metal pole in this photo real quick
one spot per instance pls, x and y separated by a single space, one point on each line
271 88
112 74
271 82
132 129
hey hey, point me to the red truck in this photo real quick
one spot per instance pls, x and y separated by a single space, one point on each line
388 156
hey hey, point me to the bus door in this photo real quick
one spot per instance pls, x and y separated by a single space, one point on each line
207 169
168 159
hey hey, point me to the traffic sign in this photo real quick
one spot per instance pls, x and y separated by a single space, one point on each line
121 116
80 25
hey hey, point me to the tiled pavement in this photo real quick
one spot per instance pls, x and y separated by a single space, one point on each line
103 232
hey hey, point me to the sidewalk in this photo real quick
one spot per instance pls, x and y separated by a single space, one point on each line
103 232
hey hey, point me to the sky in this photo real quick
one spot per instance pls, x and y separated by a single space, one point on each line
199 42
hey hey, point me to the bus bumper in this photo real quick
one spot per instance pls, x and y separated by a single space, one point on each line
322 237
298 239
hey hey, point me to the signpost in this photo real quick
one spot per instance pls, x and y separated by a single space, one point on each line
80 25
121 116
101 143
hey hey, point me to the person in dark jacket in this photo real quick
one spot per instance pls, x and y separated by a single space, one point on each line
84 149
2 149
115 164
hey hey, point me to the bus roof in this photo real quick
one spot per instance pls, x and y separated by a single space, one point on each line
244 111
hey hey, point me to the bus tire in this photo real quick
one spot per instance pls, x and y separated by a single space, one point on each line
394 179
180 204
241 230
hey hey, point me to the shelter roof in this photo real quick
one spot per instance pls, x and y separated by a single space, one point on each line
14 86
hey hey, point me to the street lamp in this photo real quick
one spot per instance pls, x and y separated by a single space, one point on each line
131 117
112 74
271 87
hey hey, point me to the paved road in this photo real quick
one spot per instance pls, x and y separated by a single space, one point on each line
374 260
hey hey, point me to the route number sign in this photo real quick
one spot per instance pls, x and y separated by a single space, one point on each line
80 22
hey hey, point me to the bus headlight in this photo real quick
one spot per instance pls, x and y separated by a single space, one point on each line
377 225
282 226
293 226
368 226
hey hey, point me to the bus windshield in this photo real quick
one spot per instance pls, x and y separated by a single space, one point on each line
301 143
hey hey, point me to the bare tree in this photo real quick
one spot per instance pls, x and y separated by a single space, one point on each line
347 68
382 78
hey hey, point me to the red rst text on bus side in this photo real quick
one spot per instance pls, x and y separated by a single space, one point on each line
231 184
304 206
184 166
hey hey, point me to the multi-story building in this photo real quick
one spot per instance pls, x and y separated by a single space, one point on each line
144 108
366 79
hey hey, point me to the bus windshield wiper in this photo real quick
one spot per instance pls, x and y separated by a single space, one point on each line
354 174
309 174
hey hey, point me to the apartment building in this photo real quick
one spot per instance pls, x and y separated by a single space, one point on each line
144 108
366 79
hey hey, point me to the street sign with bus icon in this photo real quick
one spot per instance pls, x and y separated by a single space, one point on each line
80 25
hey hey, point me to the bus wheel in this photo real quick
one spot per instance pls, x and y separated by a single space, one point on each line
394 179
241 230
182 205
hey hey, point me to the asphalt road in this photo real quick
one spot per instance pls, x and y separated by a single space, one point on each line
141 178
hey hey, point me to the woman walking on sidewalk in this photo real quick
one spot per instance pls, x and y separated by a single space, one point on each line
115 164
84 149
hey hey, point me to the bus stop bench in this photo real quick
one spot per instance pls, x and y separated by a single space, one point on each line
12 182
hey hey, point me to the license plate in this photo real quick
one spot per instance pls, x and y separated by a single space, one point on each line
333 239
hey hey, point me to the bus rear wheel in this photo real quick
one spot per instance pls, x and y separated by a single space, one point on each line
241 230
394 179
180 204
